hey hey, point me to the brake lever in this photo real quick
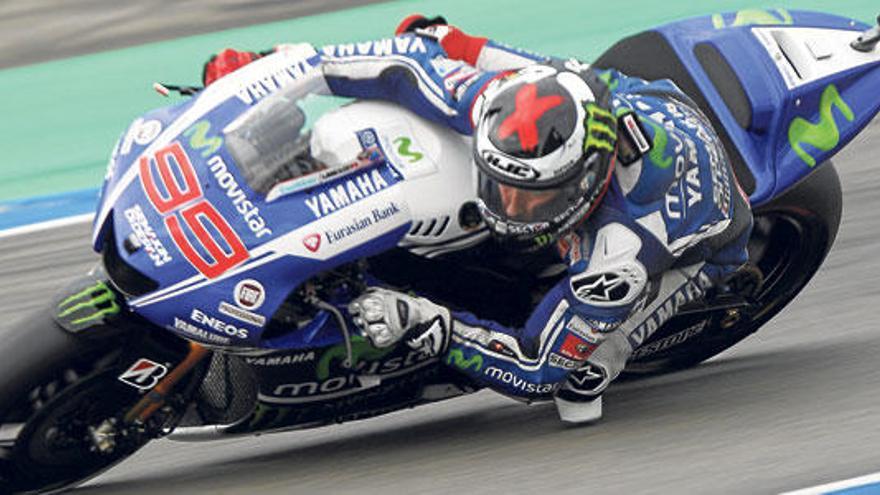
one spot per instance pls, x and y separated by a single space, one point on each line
166 89
867 41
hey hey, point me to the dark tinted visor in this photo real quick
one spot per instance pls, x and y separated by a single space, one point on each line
530 206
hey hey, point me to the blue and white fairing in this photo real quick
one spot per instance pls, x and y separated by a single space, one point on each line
808 92
180 211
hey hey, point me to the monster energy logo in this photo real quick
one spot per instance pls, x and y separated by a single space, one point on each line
823 135
198 138
90 304
456 357
600 127
754 17
543 240
403 144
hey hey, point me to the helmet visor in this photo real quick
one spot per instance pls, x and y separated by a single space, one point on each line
533 206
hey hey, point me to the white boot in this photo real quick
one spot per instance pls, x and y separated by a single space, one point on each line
579 412
579 400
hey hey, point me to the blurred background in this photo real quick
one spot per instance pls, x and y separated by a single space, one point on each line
794 406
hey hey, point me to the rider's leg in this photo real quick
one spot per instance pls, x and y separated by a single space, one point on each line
579 399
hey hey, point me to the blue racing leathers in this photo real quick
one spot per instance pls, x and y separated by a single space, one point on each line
670 227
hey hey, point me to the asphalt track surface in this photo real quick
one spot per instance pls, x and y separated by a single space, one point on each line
796 405
39 30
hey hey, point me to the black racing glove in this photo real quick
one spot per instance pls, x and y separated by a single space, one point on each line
418 21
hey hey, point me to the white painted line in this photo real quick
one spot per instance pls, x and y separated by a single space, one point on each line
51 224
838 485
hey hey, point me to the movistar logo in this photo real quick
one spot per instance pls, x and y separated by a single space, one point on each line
600 127
610 80
754 17
361 349
403 144
657 155
198 138
456 357
823 135
89 304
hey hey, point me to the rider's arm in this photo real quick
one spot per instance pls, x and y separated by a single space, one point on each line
480 52
530 362
437 72
411 70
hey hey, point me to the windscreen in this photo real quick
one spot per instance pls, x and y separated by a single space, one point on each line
270 144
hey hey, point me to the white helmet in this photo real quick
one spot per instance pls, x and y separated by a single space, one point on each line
544 148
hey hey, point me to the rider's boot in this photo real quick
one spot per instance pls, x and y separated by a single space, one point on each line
579 400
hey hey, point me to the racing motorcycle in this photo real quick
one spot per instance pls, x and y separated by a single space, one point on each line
235 226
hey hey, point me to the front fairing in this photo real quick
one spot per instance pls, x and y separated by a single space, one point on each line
222 258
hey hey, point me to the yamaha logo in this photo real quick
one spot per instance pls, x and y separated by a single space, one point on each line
509 167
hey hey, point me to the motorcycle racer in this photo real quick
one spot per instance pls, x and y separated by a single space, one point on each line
625 178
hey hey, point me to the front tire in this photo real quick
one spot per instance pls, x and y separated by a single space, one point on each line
54 450
62 419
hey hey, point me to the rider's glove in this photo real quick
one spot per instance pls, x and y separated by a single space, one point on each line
225 62
386 316
457 44
418 21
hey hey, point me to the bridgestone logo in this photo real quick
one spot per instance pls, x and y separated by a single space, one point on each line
144 374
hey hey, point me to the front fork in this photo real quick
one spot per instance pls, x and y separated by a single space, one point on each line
93 309
156 398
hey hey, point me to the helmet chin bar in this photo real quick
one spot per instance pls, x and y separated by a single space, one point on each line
532 236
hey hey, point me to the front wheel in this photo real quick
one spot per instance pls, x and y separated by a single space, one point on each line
68 437
791 237
65 415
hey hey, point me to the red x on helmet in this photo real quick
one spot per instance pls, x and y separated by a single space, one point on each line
544 147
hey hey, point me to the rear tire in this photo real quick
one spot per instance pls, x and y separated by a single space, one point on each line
791 237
